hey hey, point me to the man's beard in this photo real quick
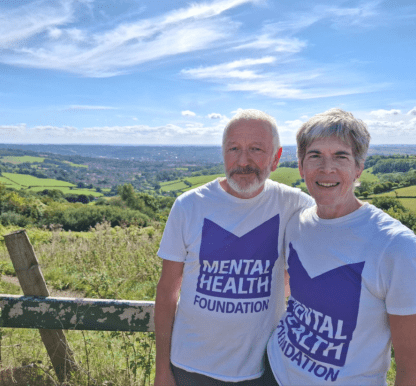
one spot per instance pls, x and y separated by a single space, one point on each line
249 189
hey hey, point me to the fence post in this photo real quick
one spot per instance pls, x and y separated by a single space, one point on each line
32 282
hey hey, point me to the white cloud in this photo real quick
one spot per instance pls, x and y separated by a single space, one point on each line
214 116
108 53
188 113
274 44
89 107
385 113
24 22
392 130
196 133
55 131
229 70
412 111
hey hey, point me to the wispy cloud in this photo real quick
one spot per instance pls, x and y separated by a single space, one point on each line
76 108
233 69
26 21
112 52
274 44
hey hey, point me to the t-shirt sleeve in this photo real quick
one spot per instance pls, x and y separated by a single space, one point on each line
305 201
398 275
172 247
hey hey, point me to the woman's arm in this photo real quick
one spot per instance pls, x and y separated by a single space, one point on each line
403 334
167 296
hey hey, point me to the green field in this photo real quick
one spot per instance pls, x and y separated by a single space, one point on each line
75 165
367 176
20 160
34 184
286 176
9 183
26 181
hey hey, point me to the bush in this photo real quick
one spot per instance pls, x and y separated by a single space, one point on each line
83 218
385 203
13 218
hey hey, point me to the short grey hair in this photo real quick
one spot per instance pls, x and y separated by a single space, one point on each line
257 115
338 123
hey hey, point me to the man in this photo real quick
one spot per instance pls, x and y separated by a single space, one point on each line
221 249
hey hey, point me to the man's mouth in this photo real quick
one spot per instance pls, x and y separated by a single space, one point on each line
245 170
327 184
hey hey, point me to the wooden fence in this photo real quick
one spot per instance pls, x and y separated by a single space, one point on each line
51 315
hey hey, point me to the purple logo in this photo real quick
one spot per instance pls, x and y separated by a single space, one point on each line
322 313
237 267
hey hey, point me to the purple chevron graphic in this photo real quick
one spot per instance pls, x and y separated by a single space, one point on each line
238 267
322 312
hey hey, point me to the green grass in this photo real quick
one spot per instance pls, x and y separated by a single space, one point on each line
9 183
25 180
34 184
409 191
285 176
75 165
178 185
112 263
20 160
367 176
408 202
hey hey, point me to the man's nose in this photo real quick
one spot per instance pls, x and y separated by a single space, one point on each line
244 158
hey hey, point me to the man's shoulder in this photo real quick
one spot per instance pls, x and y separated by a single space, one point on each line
199 192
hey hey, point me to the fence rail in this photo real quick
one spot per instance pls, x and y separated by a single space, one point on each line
75 314
51 315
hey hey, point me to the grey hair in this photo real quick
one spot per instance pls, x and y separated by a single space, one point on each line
339 123
257 115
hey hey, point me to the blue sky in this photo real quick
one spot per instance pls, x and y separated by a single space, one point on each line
174 72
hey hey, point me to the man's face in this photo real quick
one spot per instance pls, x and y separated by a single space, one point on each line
248 157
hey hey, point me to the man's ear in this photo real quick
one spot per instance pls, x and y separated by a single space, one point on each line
276 159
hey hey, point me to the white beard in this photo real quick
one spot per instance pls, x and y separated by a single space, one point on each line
251 188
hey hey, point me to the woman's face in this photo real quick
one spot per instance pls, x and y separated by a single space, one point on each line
329 170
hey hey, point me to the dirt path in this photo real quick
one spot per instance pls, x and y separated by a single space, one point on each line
53 292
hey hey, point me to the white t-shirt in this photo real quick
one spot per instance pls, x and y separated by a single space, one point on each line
346 275
232 293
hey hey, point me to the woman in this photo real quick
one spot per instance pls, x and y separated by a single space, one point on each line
352 271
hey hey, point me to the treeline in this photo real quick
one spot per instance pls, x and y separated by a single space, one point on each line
390 164
388 182
51 209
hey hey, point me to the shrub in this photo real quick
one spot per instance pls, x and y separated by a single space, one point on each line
83 218
13 218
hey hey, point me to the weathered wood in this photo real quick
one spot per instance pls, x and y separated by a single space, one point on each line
32 282
76 314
